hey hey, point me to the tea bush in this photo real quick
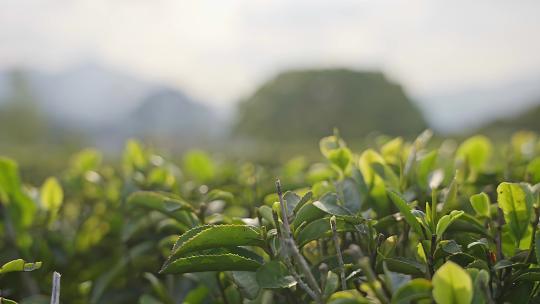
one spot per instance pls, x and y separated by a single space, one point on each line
402 222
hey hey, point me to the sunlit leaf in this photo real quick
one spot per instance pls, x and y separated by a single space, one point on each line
452 285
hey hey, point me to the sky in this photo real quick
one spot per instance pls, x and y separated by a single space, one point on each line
220 51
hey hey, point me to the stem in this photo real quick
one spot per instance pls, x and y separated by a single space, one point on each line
202 211
221 289
372 281
300 282
55 293
323 269
498 239
292 250
535 228
338 253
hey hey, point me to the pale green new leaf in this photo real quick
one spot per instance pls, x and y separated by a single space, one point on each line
516 202
19 265
452 285
446 221
480 203
51 194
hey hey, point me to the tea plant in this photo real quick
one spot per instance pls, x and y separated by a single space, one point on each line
402 222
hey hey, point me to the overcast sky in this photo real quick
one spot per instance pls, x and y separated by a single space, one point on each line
220 50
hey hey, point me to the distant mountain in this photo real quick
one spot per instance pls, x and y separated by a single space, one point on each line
308 104
85 95
110 106
525 120
170 112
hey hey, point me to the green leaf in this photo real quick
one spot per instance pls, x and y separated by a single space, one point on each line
166 203
480 203
158 287
414 290
19 265
321 228
134 157
450 200
326 205
452 285
332 284
217 194
197 295
7 301
199 165
405 211
533 170
304 200
446 221
352 198
516 202
214 236
214 262
405 266
348 297
51 194
247 283
476 151
274 274
292 200
375 183
330 143
425 165
340 157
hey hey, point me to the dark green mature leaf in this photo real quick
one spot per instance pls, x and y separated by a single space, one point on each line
326 205
516 202
414 290
274 274
405 266
321 228
247 283
352 198
467 223
214 236
292 200
216 262
452 285
405 211
306 198
531 274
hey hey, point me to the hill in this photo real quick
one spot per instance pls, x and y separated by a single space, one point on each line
526 120
305 105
